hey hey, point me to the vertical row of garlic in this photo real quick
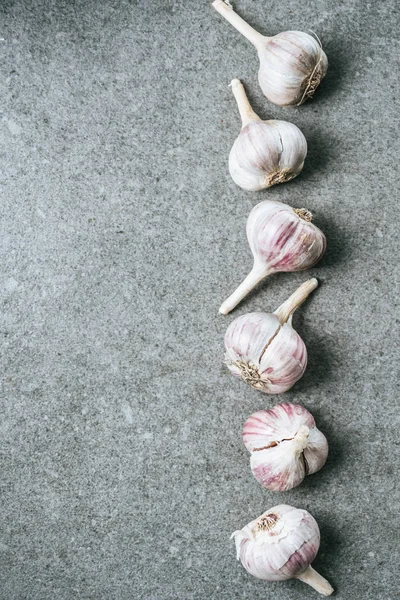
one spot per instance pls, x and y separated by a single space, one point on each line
263 349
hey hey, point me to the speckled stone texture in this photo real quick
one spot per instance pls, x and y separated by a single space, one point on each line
123 472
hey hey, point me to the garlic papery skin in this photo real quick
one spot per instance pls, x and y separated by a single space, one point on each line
281 544
292 63
264 350
281 238
285 446
265 152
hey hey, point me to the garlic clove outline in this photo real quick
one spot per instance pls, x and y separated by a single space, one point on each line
285 446
281 544
282 239
265 152
264 350
292 63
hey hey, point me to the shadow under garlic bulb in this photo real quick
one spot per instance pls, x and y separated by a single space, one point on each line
281 544
265 152
285 446
264 350
292 63
282 239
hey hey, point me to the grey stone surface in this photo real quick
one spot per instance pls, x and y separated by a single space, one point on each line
123 471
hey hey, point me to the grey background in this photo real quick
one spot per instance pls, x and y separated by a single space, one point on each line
123 470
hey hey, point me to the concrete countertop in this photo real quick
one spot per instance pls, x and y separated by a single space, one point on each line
123 469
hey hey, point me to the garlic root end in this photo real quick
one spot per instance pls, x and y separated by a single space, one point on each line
315 580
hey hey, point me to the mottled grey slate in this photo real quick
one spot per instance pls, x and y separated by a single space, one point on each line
123 472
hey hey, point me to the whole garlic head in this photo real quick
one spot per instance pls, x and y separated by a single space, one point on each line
292 63
281 238
285 446
265 152
264 350
281 544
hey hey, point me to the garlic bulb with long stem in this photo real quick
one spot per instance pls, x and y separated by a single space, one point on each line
281 238
265 152
264 350
292 63
281 544
285 446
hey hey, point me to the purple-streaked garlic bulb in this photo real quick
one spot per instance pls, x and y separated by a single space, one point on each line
292 63
281 544
285 446
281 238
265 152
264 350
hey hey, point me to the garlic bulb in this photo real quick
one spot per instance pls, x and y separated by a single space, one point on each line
281 544
264 349
281 238
285 446
292 63
265 152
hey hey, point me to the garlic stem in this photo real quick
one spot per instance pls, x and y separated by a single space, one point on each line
301 439
226 10
247 114
286 309
316 581
255 276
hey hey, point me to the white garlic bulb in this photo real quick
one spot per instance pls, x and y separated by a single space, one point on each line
281 238
292 63
285 446
281 544
264 350
265 152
